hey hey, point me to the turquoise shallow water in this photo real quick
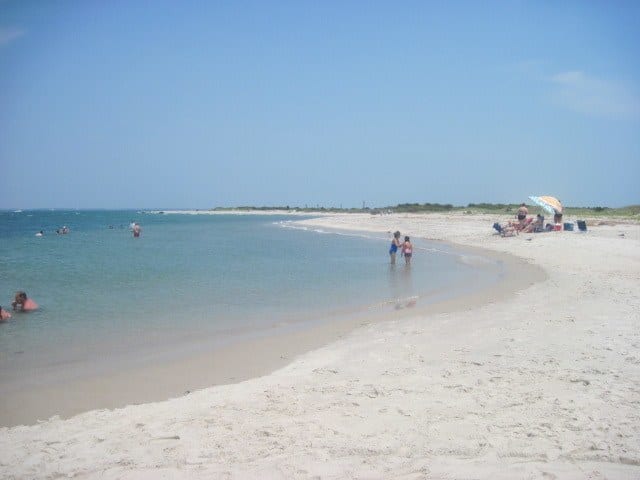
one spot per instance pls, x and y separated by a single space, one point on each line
189 280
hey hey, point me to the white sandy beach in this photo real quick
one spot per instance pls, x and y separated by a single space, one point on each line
543 384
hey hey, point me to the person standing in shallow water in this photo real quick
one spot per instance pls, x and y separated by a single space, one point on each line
136 230
407 250
395 245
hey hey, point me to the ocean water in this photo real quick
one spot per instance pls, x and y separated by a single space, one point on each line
192 282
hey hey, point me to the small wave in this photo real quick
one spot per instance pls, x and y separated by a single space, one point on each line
292 225
286 224
358 235
398 303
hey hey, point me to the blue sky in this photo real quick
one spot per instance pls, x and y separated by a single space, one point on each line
154 104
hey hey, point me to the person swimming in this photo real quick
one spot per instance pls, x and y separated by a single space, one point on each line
23 303
4 315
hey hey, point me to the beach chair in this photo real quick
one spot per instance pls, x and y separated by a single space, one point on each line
508 231
582 225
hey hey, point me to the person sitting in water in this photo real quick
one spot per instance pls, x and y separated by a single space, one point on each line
4 315
23 303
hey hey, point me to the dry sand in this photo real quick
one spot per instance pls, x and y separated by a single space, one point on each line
543 384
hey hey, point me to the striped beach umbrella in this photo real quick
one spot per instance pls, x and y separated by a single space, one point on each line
550 204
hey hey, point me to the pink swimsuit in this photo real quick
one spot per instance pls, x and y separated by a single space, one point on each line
29 305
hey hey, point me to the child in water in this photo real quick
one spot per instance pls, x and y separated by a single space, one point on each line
23 303
407 250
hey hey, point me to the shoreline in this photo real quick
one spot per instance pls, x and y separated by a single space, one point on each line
540 383
229 363
293 212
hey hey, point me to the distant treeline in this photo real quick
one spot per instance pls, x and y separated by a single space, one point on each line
629 211
424 207
494 206
288 208
632 210
248 208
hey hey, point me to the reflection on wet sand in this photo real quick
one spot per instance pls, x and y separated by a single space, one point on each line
401 286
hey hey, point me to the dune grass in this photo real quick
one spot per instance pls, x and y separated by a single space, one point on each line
629 212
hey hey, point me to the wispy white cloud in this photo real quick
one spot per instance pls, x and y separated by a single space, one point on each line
590 95
9 34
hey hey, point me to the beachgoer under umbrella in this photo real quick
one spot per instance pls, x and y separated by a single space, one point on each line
522 213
